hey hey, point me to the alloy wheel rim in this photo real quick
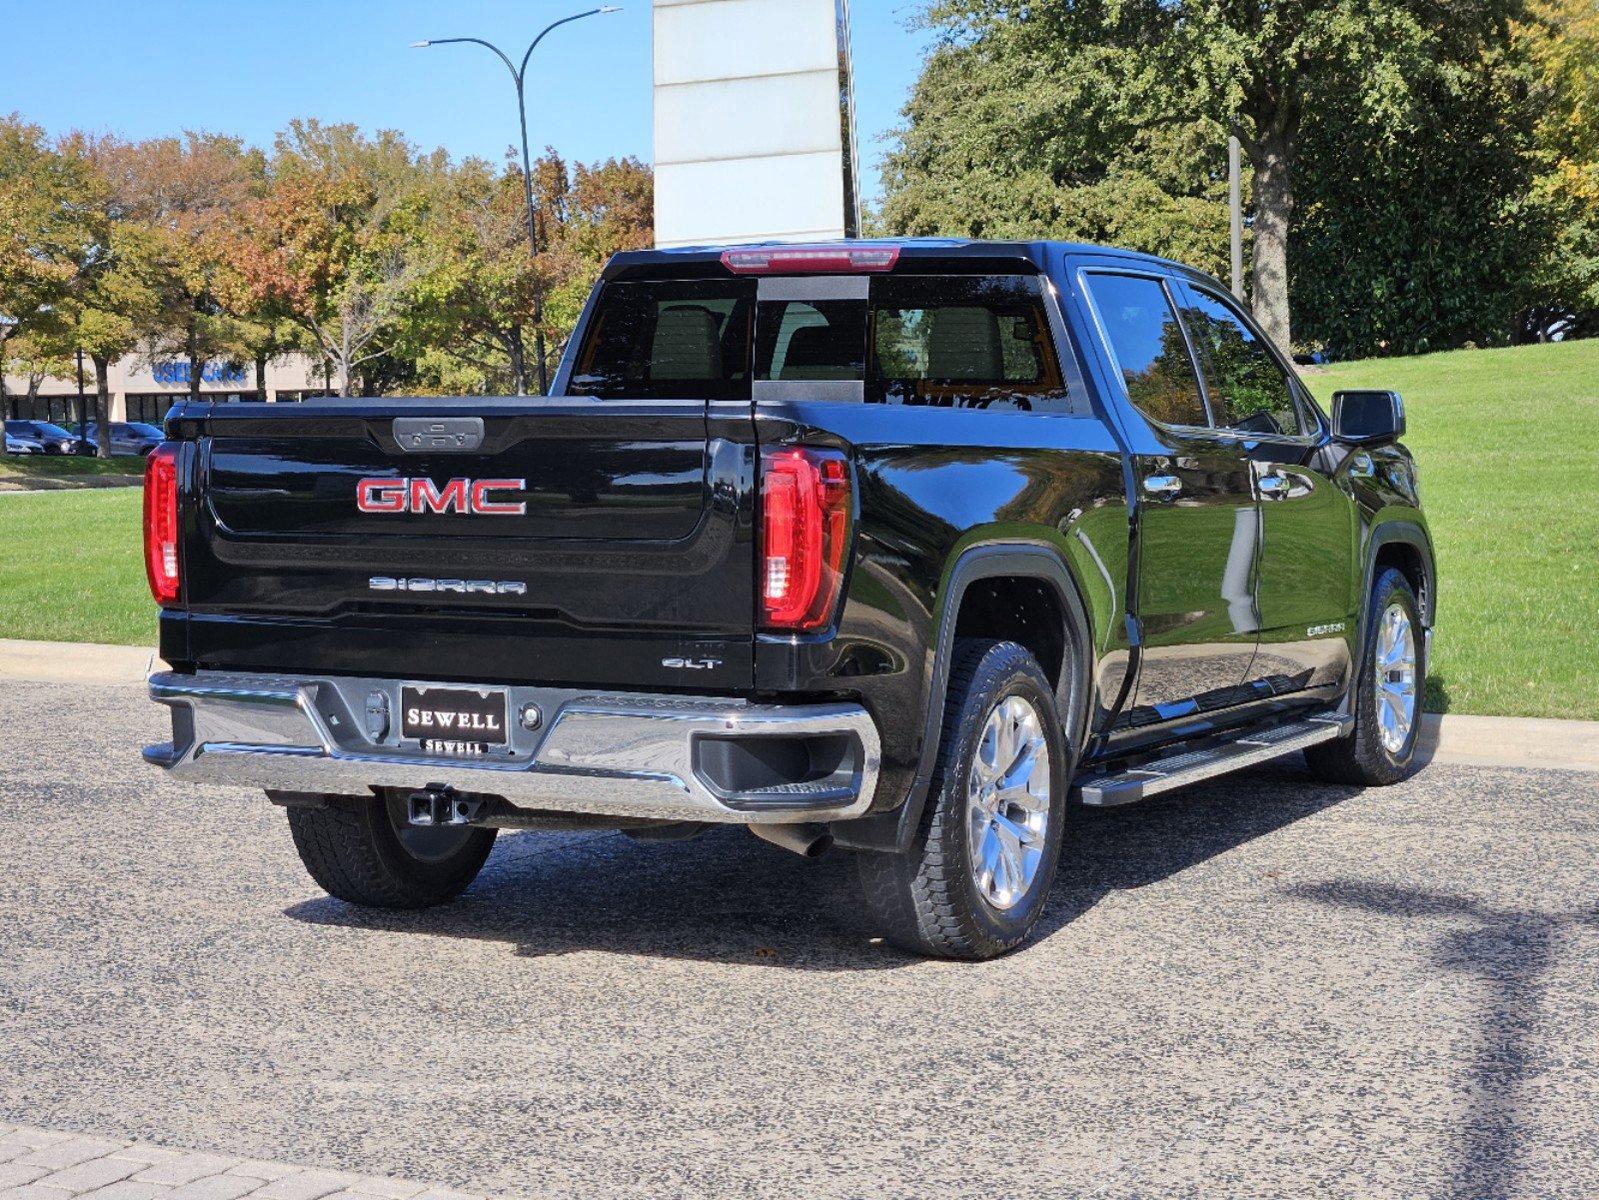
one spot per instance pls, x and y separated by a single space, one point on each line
1396 678
1008 797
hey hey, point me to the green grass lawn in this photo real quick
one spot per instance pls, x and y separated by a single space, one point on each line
72 567
1507 441
65 467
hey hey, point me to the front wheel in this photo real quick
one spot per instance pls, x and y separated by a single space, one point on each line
976 878
1388 694
365 851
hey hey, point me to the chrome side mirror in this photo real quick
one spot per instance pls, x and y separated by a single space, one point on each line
1368 418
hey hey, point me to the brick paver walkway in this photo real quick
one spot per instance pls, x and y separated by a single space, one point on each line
36 1164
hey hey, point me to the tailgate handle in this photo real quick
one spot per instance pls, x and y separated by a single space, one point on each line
438 435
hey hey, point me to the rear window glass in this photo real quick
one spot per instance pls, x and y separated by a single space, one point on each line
940 341
669 341
812 340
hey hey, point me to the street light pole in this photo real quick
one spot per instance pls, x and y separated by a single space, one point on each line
1235 211
519 78
7 324
83 408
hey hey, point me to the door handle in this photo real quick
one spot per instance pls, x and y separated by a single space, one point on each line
1275 487
1162 486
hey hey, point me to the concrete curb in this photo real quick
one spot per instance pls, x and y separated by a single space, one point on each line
44 1164
1509 742
1461 740
74 662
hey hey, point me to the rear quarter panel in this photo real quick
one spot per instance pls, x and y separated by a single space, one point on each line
932 483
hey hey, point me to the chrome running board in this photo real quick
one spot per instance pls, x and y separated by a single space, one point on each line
1180 770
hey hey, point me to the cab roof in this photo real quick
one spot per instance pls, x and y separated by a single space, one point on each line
950 253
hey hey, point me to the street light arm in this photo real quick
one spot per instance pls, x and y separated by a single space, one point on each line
593 12
519 77
503 57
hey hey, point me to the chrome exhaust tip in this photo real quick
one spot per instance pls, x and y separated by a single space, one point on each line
807 841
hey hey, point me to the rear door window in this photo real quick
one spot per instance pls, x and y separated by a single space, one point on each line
1151 351
674 340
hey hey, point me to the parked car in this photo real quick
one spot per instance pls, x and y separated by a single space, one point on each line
899 547
127 437
38 437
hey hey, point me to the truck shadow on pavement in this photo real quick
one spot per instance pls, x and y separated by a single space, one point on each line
1123 849
1506 953
728 897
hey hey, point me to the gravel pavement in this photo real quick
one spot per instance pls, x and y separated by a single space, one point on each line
1260 987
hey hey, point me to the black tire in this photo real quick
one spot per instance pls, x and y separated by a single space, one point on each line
1361 758
356 851
926 900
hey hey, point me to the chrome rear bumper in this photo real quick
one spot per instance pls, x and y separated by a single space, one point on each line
610 754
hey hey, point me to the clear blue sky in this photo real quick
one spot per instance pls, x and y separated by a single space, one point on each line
146 67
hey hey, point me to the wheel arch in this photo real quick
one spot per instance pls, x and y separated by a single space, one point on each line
977 578
1407 547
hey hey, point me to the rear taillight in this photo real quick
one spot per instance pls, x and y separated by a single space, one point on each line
161 524
805 516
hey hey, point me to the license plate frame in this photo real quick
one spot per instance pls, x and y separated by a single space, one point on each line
454 716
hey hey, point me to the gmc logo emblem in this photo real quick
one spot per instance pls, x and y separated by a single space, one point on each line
470 497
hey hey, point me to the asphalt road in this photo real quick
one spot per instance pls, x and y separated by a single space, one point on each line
1263 987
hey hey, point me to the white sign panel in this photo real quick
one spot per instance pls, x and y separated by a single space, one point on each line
754 122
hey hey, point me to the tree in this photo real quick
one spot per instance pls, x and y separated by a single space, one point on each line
183 191
377 258
1561 39
334 244
246 286
111 301
1419 233
1111 115
609 208
37 356
475 301
46 221
1003 140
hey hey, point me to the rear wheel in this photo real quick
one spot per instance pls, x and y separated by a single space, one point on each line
365 851
977 876
1388 694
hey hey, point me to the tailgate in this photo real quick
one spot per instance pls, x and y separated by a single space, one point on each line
533 540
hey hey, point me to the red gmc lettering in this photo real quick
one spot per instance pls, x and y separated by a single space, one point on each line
380 495
470 497
498 508
427 498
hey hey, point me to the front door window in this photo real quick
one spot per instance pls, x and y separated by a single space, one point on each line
1248 390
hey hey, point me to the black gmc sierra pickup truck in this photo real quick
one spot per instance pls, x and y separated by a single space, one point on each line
901 547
